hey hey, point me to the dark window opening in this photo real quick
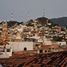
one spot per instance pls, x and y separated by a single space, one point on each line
8 50
49 50
41 51
25 49
45 50
36 45
53 48
20 65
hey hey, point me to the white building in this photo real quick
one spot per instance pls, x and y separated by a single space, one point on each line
5 51
21 46
61 43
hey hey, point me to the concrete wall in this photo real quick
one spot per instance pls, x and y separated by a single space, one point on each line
61 43
19 46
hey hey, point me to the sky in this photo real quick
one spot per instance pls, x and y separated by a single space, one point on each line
22 10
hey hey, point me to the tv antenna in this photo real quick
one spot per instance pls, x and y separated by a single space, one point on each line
43 12
12 17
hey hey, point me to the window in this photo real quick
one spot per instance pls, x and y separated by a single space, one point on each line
45 51
36 45
41 51
53 48
49 50
8 50
25 48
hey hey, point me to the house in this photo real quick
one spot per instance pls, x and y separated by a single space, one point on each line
49 48
61 43
21 46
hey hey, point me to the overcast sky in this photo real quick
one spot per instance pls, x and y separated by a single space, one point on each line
28 9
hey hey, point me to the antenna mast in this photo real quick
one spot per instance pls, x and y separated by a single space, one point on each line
43 12
12 17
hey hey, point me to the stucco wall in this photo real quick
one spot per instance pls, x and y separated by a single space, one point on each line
19 46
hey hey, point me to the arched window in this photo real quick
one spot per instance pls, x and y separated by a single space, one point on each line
25 48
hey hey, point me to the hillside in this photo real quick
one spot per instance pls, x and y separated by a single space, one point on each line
62 21
41 21
12 23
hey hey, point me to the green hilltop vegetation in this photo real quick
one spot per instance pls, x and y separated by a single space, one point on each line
41 20
62 21
12 23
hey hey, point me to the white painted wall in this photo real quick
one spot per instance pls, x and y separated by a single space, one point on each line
61 43
19 46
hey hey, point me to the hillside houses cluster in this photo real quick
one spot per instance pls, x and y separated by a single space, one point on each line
39 34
